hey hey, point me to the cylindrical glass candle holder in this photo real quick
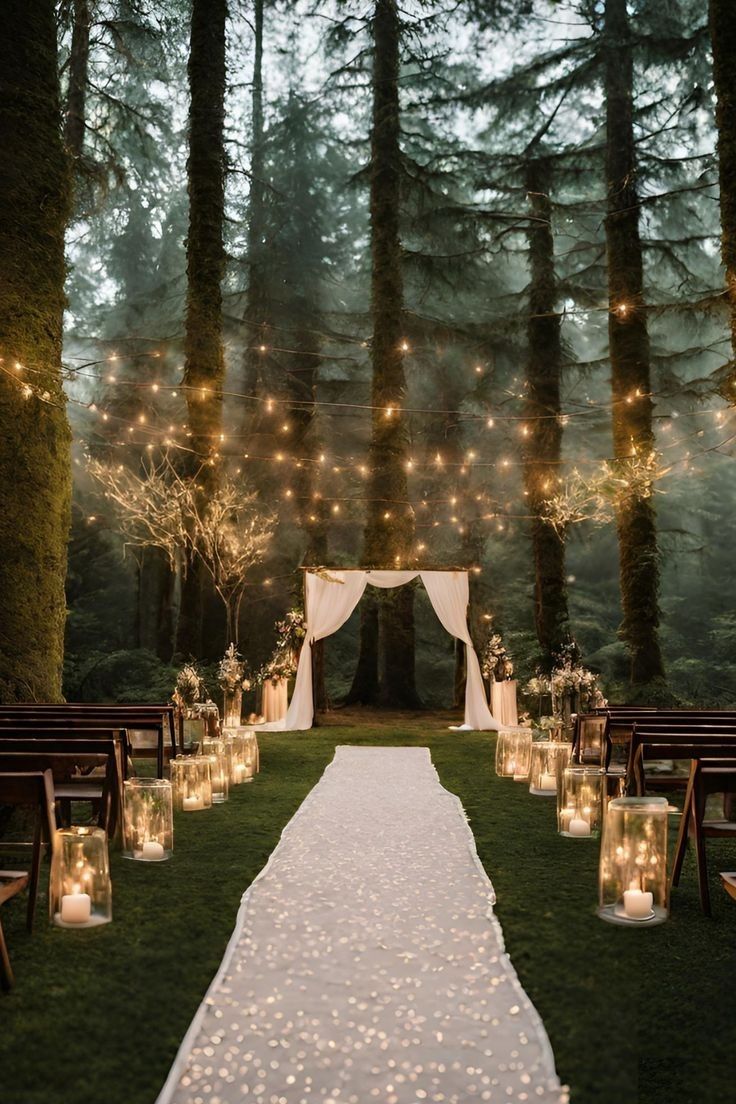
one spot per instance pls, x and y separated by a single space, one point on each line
233 706
219 770
191 782
580 802
547 758
591 750
513 754
148 819
632 877
80 892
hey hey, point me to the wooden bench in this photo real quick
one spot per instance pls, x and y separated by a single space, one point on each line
670 740
159 719
72 757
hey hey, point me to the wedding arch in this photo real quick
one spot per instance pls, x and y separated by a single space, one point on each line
331 595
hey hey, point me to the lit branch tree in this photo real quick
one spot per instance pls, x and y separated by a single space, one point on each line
226 533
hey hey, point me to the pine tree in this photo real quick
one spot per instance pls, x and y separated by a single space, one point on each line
34 439
389 531
543 444
633 432
204 367
723 43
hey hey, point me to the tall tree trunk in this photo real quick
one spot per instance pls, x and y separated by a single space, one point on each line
204 365
629 354
543 444
389 533
255 316
76 98
723 41
35 466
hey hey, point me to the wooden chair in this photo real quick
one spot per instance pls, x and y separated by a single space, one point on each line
32 789
68 759
7 890
707 776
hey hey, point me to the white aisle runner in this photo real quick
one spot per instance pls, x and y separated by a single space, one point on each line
367 964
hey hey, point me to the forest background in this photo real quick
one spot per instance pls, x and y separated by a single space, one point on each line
506 163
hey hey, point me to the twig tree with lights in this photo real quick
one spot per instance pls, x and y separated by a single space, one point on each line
204 362
226 533
35 478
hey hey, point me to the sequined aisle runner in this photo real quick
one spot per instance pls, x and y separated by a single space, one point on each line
367 964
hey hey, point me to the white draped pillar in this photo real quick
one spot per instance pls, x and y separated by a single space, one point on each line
449 593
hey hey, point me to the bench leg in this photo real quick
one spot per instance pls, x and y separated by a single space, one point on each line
6 972
681 846
698 814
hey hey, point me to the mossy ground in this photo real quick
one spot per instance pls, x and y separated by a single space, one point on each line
635 1017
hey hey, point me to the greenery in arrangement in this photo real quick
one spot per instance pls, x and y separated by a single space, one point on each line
618 1004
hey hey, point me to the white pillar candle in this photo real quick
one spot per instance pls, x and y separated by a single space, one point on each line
547 781
238 772
579 827
152 850
638 904
189 804
76 908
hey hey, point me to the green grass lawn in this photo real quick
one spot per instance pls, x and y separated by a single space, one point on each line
634 1016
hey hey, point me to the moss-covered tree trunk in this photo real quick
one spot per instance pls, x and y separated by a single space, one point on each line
76 96
723 42
204 365
543 444
629 354
389 535
257 333
35 479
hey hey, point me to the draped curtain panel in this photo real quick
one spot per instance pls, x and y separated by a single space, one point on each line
331 597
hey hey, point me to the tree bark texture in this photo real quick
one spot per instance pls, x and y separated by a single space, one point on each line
257 334
389 533
543 444
723 44
35 465
629 354
204 365
76 97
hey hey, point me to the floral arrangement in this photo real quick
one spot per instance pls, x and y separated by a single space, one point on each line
495 661
571 679
189 687
291 631
282 664
231 672
537 687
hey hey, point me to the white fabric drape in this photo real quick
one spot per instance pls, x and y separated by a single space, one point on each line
449 593
332 596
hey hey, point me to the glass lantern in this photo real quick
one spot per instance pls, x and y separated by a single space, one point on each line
219 770
233 707
192 784
243 750
148 819
632 879
591 749
80 892
580 802
547 758
513 754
